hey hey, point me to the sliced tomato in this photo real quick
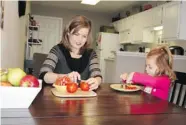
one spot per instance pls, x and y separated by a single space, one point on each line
62 81
130 87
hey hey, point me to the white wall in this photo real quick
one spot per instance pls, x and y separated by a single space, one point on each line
96 18
12 39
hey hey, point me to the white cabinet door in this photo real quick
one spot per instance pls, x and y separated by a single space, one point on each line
148 35
137 28
117 25
123 24
157 15
125 36
171 20
128 22
146 18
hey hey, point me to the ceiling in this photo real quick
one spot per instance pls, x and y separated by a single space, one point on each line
109 7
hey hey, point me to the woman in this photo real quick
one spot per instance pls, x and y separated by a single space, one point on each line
72 56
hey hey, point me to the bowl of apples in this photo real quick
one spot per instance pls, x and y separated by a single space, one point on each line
18 90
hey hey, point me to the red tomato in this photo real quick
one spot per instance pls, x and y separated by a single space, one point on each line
84 86
29 81
72 87
62 81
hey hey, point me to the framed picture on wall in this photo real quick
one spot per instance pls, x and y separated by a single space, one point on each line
2 14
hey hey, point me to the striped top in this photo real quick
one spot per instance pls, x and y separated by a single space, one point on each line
60 61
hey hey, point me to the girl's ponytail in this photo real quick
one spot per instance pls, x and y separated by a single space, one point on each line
170 72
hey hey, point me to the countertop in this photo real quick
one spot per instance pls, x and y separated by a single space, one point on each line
109 59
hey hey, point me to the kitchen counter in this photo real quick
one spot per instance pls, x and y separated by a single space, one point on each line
135 62
125 53
109 59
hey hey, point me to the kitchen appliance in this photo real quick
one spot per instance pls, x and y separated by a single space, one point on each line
141 49
147 50
176 50
107 45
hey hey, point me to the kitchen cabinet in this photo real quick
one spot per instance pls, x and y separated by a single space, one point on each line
174 21
148 35
152 17
157 16
125 36
146 17
117 25
128 22
133 30
123 24
170 15
137 28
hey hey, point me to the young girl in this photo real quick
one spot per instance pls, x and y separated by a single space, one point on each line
159 73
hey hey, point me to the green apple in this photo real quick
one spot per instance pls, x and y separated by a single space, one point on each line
3 75
4 78
15 75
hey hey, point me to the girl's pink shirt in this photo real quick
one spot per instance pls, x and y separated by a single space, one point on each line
160 84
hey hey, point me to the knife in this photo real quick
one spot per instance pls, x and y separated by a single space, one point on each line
78 81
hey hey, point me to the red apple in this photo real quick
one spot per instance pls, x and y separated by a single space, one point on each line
29 81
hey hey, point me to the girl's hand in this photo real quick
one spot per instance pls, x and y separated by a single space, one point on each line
124 77
130 77
93 82
74 76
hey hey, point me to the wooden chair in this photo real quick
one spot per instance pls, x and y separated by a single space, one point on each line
178 90
38 59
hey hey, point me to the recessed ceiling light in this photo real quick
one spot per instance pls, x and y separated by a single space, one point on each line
90 2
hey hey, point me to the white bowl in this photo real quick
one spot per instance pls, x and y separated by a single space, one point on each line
18 97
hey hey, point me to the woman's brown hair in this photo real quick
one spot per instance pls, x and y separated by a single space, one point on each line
73 27
164 61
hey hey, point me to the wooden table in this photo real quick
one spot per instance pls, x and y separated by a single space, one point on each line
110 107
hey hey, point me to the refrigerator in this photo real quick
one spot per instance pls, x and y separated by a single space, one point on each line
106 46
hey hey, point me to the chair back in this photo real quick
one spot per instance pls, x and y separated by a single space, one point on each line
178 90
38 59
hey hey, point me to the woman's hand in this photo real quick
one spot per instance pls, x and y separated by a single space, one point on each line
74 76
94 83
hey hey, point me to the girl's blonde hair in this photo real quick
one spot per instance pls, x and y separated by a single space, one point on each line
164 61
73 27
